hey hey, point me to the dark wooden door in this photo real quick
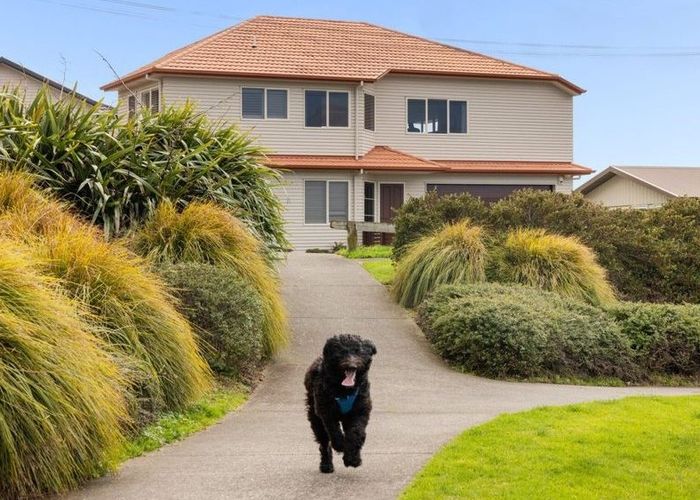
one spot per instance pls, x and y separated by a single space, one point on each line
390 199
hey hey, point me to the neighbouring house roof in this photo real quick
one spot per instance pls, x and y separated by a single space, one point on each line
388 159
284 47
51 83
674 181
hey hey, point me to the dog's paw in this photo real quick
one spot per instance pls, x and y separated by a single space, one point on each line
326 468
352 460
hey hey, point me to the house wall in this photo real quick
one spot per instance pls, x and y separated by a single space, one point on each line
507 119
621 191
304 236
11 78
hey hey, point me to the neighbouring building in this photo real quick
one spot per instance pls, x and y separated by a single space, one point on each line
14 75
361 117
641 187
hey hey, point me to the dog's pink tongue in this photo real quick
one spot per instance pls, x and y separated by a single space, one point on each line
349 380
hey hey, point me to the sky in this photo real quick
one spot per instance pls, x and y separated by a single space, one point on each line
638 59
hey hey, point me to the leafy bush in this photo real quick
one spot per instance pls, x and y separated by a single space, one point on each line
666 337
517 331
130 306
456 254
556 263
420 217
115 172
62 410
206 233
226 310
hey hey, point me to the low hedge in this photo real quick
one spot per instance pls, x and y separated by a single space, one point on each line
666 337
516 331
226 310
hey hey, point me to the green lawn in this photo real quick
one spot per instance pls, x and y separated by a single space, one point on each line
370 252
175 426
382 270
633 448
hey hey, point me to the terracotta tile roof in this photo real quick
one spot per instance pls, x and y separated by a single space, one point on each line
388 159
283 47
378 158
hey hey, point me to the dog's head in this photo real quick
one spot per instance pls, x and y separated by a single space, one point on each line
347 358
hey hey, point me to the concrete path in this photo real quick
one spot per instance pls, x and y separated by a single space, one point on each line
266 449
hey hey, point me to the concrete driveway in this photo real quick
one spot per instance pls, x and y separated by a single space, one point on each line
266 450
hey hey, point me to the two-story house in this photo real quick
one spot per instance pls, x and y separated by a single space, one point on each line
362 117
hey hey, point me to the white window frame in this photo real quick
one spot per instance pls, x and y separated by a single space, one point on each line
328 108
425 132
149 90
327 199
264 89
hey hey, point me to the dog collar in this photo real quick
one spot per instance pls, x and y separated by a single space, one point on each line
346 403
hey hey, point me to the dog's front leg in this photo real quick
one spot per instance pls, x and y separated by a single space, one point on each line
336 435
355 435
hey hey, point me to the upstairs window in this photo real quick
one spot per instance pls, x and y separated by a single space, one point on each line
326 109
369 112
150 99
259 103
436 116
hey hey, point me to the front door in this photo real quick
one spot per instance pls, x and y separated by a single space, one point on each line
390 199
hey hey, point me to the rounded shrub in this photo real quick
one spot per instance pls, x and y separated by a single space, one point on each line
209 234
130 306
455 254
552 262
517 331
62 407
226 310
666 337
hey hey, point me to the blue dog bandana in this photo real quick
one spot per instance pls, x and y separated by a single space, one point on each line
347 402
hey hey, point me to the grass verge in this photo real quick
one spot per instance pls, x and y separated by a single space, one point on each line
369 252
631 448
382 270
174 426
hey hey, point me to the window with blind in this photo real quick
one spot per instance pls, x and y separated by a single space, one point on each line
325 201
369 112
260 103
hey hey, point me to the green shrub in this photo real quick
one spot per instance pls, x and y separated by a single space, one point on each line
114 172
131 306
666 337
226 311
556 263
419 217
456 254
206 233
517 331
62 409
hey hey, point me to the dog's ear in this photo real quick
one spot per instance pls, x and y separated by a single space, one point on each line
371 348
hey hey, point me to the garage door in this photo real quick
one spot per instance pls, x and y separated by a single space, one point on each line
487 192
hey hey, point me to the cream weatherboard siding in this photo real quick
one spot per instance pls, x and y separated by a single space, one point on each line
11 78
621 191
304 236
507 119
220 98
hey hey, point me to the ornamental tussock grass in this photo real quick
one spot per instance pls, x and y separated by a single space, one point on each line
557 263
454 255
207 233
131 306
62 409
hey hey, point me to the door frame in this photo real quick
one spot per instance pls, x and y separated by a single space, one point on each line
379 195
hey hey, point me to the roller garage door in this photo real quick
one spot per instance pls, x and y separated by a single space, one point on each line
487 192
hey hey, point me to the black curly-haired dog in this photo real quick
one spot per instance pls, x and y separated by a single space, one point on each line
337 392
